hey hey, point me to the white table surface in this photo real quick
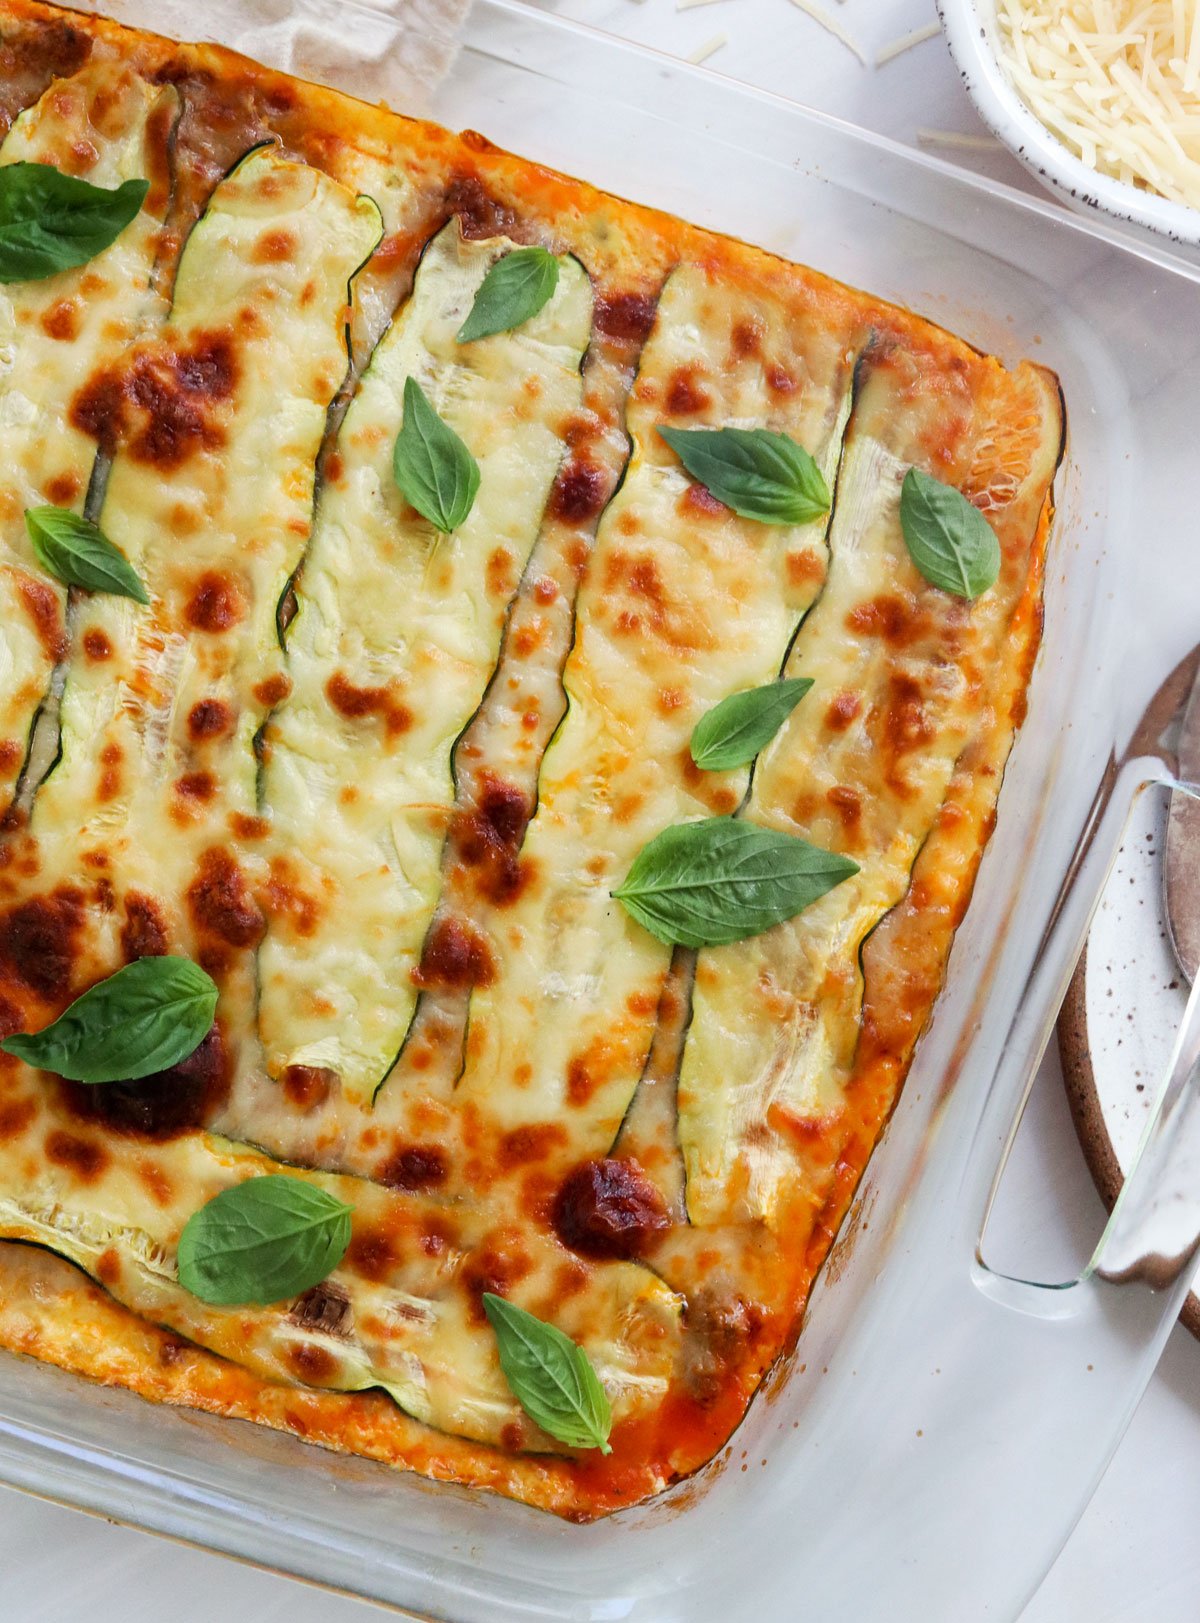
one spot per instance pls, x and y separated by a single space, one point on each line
1134 1558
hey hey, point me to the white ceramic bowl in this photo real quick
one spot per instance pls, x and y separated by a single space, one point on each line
973 37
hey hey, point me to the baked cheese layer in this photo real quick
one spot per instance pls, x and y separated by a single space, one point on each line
396 1315
395 638
382 782
104 125
215 425
898 668
683 604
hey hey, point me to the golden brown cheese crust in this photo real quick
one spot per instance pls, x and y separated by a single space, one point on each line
522 1203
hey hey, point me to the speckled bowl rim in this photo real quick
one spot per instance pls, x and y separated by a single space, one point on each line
969 27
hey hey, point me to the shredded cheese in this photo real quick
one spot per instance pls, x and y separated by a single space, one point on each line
831 26
709 48
918 36
958 139
1117 81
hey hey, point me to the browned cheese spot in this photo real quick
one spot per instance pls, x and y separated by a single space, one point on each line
456 954
61 320
215 603
42 605
82 1156
307 1086
627 317
685 394
415 1167
480 214
144 933
38 941
220 902
356 702
843 709
579 491
96 645
488 839
210 718
160 403
275 247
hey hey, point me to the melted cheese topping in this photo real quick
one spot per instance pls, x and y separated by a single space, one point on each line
105 125
683 604
221 417
396 635
226 773
897 668
393 1316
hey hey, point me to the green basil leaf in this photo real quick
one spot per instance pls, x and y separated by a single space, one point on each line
550 1376
433 468
760 474
77 552
513 291
145 1018
51 222
262 1240
948 538
733 732
708 883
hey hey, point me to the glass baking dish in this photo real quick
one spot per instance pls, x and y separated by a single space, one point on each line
927 1448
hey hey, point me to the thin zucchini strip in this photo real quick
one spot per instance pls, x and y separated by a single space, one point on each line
401 1312
215 426
683 603
105 125
396 635
862 767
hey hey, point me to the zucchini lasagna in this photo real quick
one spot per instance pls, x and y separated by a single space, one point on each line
502 697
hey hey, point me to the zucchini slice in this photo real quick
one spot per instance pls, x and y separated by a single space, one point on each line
396 635
682 604
56 334
216 423
862 767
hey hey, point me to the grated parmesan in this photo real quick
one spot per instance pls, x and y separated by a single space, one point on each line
709 48
906 42
958 139
1117 81
831 26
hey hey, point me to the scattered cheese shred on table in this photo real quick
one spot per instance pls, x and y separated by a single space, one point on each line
709 48
832 26
906 42
1117 81
957 138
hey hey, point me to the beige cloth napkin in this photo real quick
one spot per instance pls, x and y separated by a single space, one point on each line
396 51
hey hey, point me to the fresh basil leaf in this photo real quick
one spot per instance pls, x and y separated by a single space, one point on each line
52 222
760 474
513 291
433 468
77 552
262 1240
145 1018
733 732
550 1376
708 883
948 538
